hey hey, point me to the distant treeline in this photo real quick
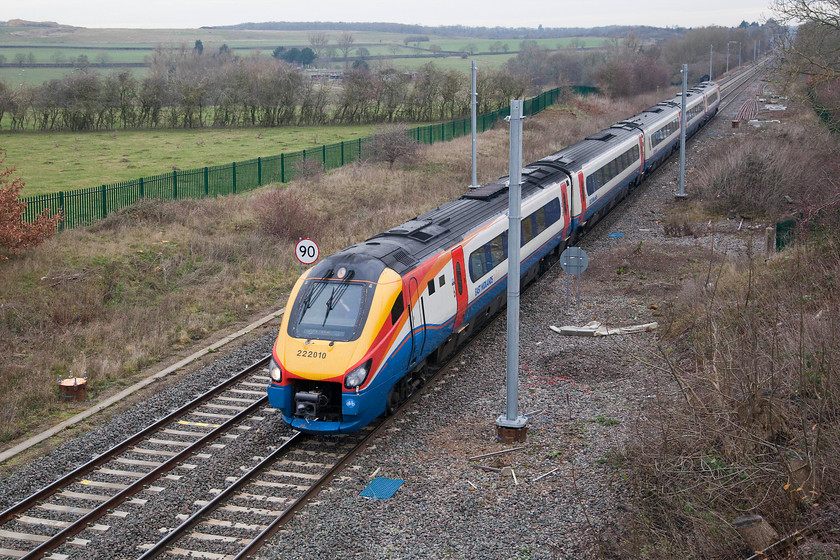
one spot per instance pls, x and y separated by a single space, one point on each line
643 31
194 88
186 88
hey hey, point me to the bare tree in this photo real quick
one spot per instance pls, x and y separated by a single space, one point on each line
318 41
814 50
345 43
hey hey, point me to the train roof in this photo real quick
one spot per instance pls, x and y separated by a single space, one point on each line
405 246
572 159
651 116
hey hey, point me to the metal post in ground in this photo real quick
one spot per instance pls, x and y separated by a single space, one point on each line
473 103
711 57
511 426
683 124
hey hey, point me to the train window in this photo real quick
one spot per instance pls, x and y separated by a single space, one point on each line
397 309
539 218
431 287
442 280
459 282
478 263
663 133
498 250
330 310
488 256
552 211
527 230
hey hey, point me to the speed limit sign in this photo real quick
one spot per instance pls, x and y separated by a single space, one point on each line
306 251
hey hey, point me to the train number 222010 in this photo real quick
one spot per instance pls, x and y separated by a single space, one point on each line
312 354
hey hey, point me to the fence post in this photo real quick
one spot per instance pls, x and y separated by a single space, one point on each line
360 149
304 156
282 168
142 188
233 167
206 181
174 184
342 153
61 207
259 171
324 155
104 207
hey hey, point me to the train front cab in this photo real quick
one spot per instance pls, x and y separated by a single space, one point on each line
326 369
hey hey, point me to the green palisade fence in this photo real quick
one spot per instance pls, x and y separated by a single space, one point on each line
84 206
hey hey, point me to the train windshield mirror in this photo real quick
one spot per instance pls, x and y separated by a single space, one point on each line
333 311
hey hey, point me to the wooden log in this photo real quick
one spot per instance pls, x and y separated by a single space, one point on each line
756 532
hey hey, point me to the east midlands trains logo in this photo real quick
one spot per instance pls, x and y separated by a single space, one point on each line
483 286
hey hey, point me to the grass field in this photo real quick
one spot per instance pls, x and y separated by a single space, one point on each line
50 45
51 162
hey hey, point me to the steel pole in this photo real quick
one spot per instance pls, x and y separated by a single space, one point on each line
683 120
711 57
473 104
727 57
512 419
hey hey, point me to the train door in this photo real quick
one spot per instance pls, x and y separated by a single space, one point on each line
461 296
565 194
417 319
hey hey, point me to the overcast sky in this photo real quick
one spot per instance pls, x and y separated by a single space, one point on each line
473 13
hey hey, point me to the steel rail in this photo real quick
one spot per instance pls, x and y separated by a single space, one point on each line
161 546
69 478
138 486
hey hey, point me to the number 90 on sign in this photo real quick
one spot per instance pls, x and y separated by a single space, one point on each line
306 251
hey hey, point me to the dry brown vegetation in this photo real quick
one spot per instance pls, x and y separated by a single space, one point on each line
751 422
158 277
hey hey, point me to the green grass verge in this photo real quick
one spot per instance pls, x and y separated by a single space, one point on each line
51 162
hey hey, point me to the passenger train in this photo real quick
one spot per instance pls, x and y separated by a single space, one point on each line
362 325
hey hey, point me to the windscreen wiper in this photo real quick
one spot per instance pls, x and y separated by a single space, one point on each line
313 293
336 294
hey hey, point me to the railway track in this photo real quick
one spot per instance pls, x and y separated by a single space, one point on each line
241 518
84 503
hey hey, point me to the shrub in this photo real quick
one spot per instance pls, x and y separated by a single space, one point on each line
394 143
15 234
284 213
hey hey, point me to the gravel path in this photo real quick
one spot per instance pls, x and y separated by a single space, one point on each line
581 395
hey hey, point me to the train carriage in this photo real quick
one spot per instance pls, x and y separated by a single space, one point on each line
363 324
660 126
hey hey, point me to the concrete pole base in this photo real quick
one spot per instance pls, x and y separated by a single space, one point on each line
509 431
511 435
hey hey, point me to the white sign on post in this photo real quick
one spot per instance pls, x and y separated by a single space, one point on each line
306 251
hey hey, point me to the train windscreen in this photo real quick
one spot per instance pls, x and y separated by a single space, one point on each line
330 310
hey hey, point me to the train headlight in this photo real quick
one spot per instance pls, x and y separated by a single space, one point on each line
274 371
358 376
